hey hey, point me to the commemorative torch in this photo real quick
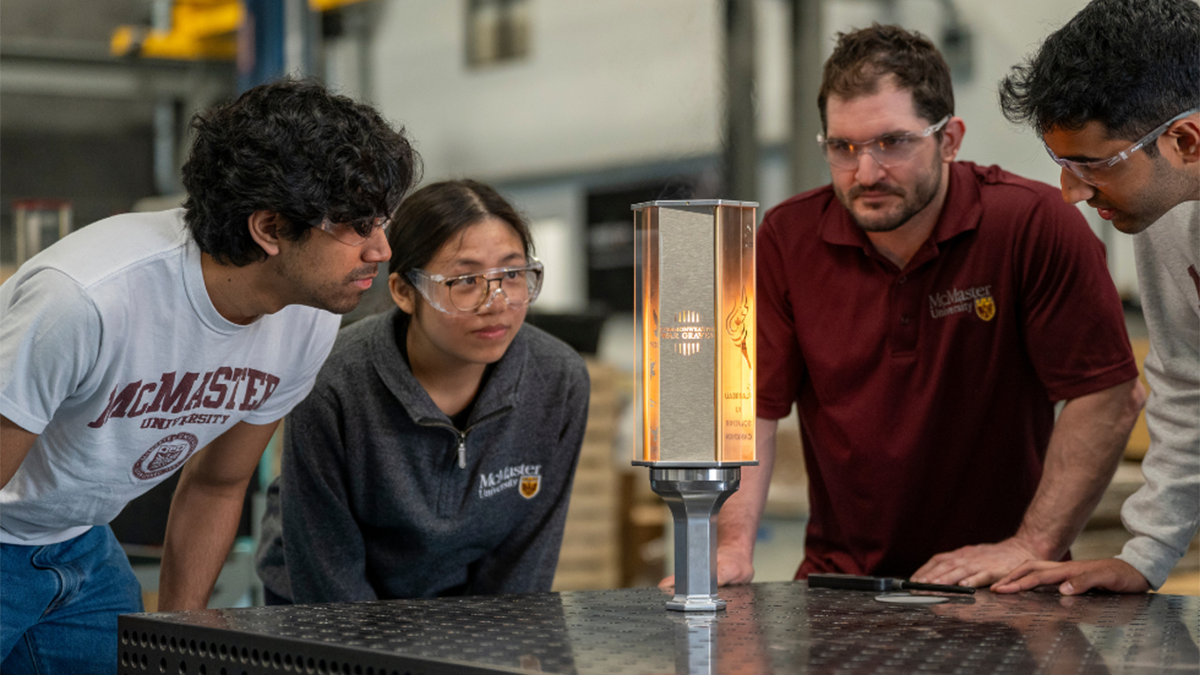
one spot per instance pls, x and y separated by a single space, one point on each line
694 308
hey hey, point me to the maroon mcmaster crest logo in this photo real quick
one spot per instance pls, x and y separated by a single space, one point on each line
167 455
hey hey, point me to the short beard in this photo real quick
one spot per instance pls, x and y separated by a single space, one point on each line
1166 189
922 195
337 297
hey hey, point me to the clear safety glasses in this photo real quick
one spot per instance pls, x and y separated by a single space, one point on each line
354 232
889 150
470 293
1103 171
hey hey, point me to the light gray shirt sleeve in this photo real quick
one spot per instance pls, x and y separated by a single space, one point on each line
1164 514
49 342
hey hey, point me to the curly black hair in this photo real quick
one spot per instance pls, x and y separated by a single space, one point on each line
863 58
1129 64
293 148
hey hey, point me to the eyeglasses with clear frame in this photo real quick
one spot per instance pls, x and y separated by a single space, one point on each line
888 150
354 232
1102 171
471 293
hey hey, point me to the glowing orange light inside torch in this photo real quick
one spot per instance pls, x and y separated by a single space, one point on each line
710 334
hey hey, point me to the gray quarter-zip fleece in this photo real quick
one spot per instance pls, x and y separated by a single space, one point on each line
380 496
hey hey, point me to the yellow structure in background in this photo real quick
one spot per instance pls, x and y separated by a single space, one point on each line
200 29
326 5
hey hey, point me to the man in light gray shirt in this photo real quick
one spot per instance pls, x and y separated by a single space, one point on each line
1115 94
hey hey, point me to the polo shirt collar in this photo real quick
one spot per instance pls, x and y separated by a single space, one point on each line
961 213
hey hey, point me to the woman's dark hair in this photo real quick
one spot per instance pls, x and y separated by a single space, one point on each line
293 148
863 58
1129 64
439 212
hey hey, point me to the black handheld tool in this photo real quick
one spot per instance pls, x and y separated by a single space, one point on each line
850 582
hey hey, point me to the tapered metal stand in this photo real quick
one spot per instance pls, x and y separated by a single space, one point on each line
695 496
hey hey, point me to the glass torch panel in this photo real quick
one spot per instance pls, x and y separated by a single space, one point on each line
646 305
694 309
735 298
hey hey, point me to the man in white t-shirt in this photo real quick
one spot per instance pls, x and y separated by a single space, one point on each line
146 343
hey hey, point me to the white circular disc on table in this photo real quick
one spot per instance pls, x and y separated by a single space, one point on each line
909 599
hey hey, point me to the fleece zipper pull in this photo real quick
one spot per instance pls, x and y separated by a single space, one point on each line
462 451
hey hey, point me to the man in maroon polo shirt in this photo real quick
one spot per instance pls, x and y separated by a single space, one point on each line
926 315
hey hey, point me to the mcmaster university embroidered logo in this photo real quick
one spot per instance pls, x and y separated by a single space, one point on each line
963 301
527 478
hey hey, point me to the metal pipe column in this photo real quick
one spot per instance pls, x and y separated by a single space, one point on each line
741 128
807 163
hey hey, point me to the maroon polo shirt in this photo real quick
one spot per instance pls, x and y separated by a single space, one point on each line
926 395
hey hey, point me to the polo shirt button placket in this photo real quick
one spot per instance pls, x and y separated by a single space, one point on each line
902 301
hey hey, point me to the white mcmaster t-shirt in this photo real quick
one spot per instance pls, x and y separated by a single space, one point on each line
112 352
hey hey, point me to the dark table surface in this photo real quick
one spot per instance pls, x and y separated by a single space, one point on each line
766 628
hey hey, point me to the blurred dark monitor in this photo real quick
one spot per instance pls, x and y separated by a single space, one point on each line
144 520
610 235
580 330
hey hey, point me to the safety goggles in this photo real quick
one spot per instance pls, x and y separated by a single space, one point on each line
888 151
1103 171
354 232
470 293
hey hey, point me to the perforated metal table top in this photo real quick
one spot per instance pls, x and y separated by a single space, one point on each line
766 628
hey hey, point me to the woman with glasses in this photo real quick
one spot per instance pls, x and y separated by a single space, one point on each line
435 454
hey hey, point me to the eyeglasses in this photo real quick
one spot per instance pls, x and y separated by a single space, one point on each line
888 151
354 232
469 293
1102 171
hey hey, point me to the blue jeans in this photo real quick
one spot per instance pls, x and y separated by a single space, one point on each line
59 604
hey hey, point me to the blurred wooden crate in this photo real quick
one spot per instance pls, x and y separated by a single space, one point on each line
1139 439
644 516
788 495
590 554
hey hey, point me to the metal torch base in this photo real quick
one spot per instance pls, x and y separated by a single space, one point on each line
695 496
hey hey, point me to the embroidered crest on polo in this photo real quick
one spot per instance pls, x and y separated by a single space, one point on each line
985 308
963 301
167 455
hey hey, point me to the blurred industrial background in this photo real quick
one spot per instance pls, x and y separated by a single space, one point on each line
574 110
